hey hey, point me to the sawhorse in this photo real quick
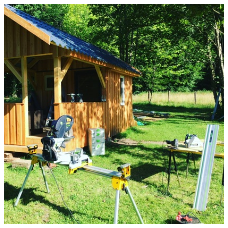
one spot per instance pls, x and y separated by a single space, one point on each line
119 179
190 151
36 158
119 182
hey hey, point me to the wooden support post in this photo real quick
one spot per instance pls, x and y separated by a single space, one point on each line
57 80
100 76
24 74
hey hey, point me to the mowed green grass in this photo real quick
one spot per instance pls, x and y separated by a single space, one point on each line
91 198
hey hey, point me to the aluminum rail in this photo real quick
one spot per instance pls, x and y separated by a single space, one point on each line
102 171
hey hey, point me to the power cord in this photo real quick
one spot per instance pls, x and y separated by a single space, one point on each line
62 195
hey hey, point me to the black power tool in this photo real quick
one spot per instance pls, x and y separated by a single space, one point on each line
173 143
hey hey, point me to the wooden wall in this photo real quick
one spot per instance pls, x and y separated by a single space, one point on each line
19 42
14 123
110 115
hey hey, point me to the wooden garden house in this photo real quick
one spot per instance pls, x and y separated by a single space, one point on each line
55 64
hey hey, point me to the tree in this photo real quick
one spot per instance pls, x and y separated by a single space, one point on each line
52 14
207 25
76 21
171 45
145 36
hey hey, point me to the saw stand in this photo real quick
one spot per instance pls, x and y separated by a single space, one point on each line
36 158
79 161
119 182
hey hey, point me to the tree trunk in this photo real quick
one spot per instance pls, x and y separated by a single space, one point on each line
149 95
221 62
213 83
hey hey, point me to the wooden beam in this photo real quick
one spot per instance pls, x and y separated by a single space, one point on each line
29 70
16 72
13 70
33 62
66 67
38 58
57 80
100 76
32 82
24 73
83 58
28 26
15 61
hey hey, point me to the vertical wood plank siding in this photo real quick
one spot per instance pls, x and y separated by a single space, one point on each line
14 124
20 42
109 115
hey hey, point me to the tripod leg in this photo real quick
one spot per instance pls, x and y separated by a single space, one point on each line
45 181
188 155
133 202
193 158
117 206
23 185
175 165
169 170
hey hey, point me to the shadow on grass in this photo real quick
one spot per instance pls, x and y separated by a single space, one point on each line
152 161
28 195
156 154
145 170
194 113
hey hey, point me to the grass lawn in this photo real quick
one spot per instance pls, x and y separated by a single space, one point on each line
91 198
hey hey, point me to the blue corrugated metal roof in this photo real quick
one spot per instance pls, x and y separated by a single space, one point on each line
73 43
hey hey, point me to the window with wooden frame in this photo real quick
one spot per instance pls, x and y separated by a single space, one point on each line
49 82
122 91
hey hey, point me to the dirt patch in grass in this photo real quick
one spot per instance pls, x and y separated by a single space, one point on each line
149 118
125 141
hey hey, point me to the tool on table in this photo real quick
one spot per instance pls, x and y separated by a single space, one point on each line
78 97
72 95
192 141
173 143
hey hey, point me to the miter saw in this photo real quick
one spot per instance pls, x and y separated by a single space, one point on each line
192 141
59 134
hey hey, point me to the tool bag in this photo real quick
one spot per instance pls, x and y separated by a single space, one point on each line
49 153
